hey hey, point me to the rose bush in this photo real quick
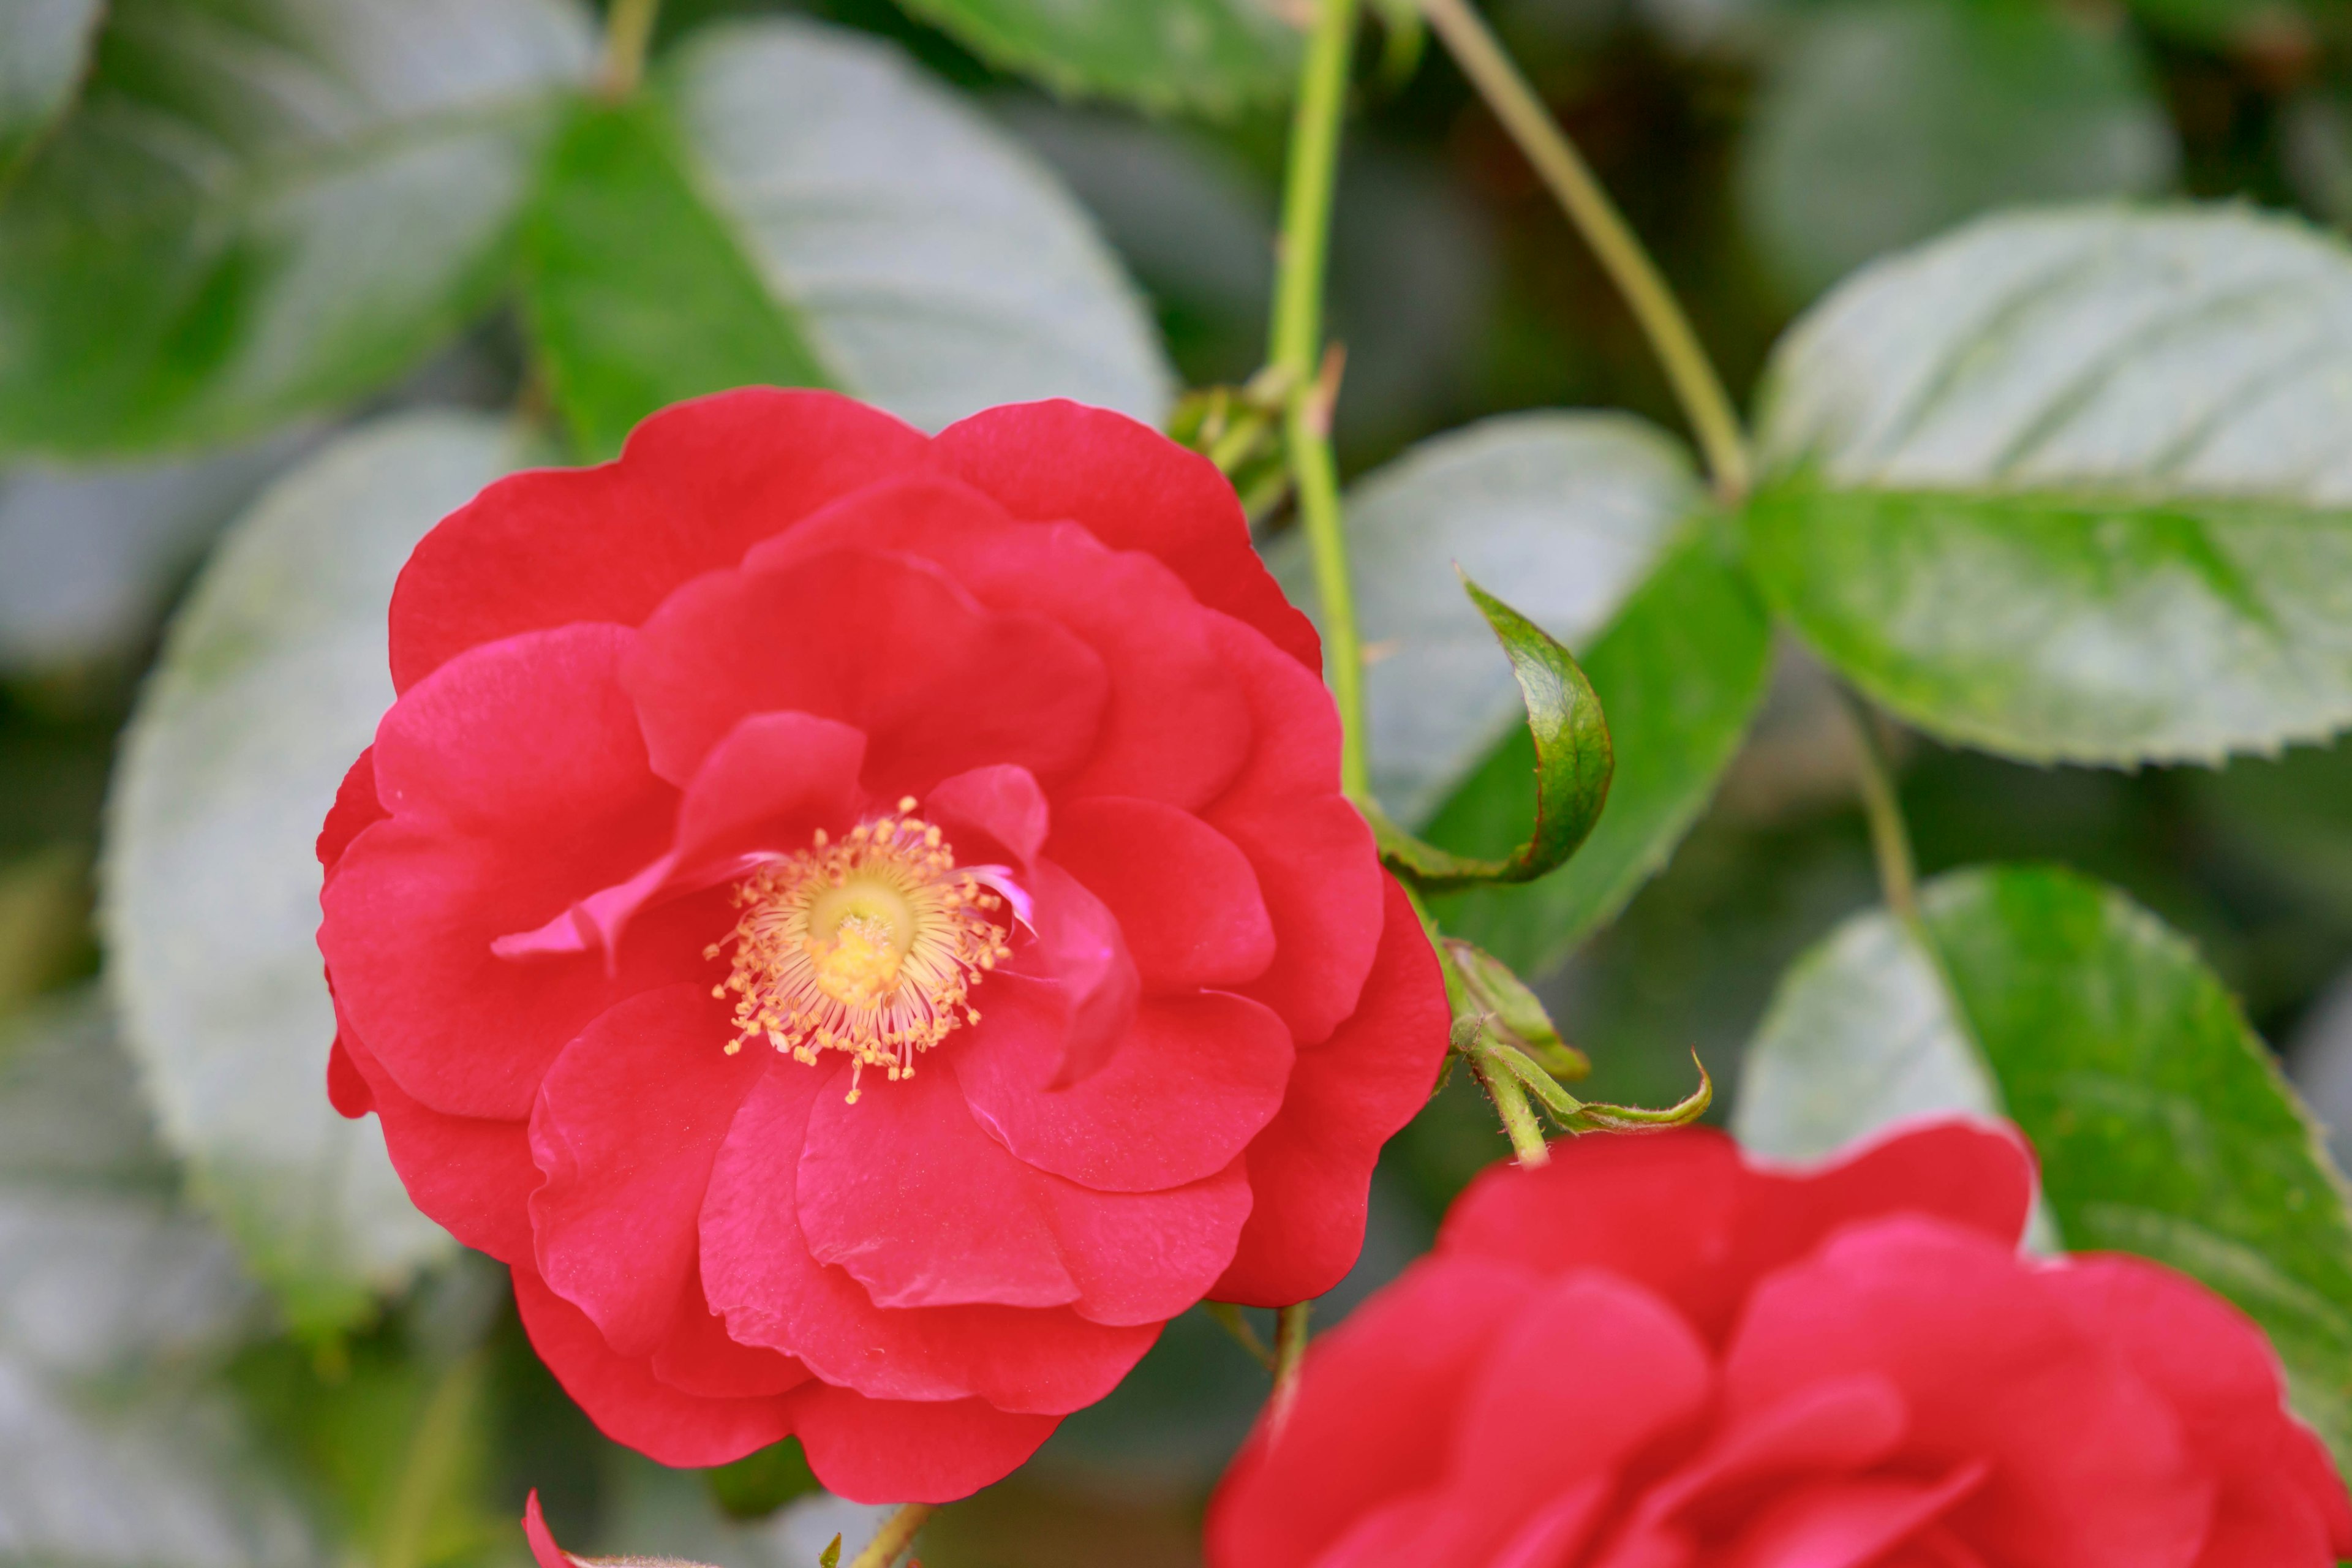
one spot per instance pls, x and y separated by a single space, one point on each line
1650 1354
866 926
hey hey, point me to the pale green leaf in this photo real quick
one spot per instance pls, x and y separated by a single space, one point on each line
1215 57
2077 485
44 50
271 682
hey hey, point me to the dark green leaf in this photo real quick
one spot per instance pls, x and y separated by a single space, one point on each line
1881 124
1568 511
266 208
1679 673
802 204
1572 764
2161 1121
639 294
2076 486
271 682
758 1484
44 49
1212 55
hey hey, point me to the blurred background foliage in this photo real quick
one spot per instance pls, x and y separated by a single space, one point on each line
223 1339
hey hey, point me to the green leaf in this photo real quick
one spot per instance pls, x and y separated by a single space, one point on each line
639 294
1568 511
758 1484
115 1450
1571 741
1679 672
2076 486
1215 57
1880 125
2162 1123
268 208
802 204
271 682
44 50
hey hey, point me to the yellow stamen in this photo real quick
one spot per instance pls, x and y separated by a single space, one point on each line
869 946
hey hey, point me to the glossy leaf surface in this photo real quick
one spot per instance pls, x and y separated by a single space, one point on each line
265 209
2076 486
1215 57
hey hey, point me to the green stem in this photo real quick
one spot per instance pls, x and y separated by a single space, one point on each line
1297 349
1290 1355
628 29
1519 1118
429 1466
1890 837
1692 374
1227 1316
898 1535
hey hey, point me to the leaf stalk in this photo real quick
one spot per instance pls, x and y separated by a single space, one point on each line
897 1534
1691 373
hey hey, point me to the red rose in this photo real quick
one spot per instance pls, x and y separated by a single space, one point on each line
1649 1355
866 925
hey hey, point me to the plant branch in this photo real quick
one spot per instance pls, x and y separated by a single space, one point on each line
1228 1317
1296 354
1890 837
897 1534
1289 1353
628 29
1692 375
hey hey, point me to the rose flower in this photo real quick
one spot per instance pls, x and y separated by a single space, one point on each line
866 926
1649 1355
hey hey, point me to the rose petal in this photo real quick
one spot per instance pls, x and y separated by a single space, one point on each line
923 1208
1312 1166
695 487
519 785
1849 1523
472 1177
888 644
773 1293
355 810
1316 866
1184 895
631 1405
1194 1079
627 1125
1142 1257
699 1357
1133 489
884 1450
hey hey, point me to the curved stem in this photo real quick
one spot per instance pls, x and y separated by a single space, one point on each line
1290 1354
1296 349
628 29
1890 837
1696 383
898 1535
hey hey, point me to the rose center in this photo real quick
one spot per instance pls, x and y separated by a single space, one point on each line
869 946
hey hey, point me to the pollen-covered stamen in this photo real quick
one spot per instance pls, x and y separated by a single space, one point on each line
870 946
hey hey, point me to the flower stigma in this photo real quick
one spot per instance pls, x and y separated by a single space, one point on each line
869 945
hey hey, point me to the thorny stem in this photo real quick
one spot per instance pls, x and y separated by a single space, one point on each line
1890 839
1518 1117
897 1534
1297 346
1692 373
628 28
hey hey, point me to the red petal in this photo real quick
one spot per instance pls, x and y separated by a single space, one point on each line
518 784
630 1405
2089 1468
924 1209
1133 489
355 810
543 1550
1192 1080
1045 1362
472 1177
696 486
990 814
1175 728
887 1450
1848 1523
1979 1175
1142 1257
889 644
627 1125
1316 865
1080 952
1185 897
1374 1416
347 1091
699 1358
1312 1167
2282 1500
1845 1425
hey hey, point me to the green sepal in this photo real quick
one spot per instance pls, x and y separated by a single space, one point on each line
1493 998
1573 764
